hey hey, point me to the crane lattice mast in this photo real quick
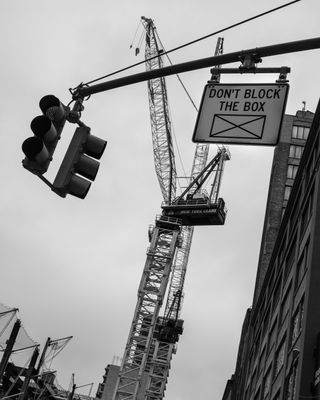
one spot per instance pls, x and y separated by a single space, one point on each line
151 292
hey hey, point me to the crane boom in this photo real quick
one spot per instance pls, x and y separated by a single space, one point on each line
159 116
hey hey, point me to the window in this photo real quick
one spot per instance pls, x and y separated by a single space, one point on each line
285 305
282 250
287 191
272 336
311 165
266 320
302 264
291 384
276 294
307 211
261 360
267 383
251 361
257 396
277 396
290 259
295 151
292 171
297 322
300 132
279 361
253 381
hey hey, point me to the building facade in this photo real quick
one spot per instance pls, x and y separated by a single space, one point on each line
278 356
294 133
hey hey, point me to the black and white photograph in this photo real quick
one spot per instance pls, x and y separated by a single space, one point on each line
160 200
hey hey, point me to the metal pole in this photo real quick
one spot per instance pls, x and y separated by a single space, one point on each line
29 373
9 347
41 361
71 394
267 51
9 311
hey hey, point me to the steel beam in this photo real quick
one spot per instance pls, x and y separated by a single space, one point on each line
266 51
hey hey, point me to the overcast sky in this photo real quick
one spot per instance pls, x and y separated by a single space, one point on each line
73 266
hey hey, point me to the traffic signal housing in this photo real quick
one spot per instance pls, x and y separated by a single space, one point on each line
79 166
47 129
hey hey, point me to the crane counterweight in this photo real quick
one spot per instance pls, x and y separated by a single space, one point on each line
197 211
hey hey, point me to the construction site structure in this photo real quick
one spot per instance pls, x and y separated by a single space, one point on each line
152 339
163 350
24 373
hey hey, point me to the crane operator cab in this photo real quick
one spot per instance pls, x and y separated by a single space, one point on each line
196 209
168 330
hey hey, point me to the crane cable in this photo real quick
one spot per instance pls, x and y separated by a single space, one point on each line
194 41
170 113
135 35
192 102
178 76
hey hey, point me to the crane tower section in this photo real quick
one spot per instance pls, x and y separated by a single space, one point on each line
166 335
159 116
151 292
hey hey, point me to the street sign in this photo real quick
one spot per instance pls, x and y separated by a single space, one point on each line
241 113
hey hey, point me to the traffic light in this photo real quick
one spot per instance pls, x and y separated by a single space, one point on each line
47 129
79 163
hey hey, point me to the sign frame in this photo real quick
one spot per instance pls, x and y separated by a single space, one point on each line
254 109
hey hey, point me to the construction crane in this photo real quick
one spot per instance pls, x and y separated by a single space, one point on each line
163 350
152 339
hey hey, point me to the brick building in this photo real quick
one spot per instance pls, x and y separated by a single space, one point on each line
278 355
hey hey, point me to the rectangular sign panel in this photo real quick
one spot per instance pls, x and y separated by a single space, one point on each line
241 113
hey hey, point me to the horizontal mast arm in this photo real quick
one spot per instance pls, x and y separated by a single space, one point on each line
266 51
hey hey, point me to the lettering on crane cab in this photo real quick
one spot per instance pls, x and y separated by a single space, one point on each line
241 113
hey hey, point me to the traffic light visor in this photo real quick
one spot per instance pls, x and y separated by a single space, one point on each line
42 127
78 187
35 149
95 146
87 167
79 165
51 106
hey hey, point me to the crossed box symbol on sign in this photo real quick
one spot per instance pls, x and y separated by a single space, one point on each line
233 126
